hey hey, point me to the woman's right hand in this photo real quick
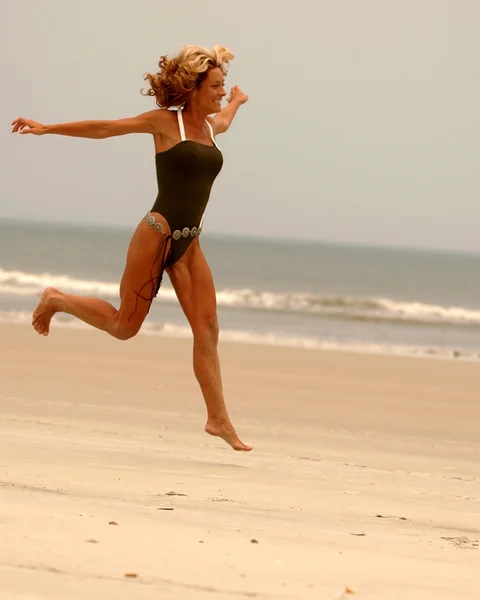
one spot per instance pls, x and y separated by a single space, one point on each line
22 125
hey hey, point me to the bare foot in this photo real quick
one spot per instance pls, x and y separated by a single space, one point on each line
45 310
226 431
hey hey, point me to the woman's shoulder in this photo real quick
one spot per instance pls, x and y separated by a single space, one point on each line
163 119
163 115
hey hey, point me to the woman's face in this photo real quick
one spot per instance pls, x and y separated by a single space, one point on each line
211 91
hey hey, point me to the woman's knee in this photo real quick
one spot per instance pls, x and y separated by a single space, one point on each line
125 330
207 330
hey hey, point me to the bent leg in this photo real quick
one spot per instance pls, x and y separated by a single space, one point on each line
193 284
137 289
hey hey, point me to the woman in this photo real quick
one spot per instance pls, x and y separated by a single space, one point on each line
187 161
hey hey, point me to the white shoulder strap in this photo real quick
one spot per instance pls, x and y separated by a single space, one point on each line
211 133
180 124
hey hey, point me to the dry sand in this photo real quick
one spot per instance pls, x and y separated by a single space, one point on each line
365 472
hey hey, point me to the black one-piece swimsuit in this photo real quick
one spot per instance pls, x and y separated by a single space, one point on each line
185 175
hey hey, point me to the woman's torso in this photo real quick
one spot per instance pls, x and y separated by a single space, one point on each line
185 175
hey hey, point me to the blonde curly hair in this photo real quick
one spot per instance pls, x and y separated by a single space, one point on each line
183 73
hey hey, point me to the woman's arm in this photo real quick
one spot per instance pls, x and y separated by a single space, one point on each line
145 123
223 119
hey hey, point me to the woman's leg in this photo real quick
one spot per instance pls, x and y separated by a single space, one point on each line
193 284
142 265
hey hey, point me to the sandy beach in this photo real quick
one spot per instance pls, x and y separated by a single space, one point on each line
365 472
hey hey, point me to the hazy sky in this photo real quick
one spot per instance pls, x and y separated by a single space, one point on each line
362 125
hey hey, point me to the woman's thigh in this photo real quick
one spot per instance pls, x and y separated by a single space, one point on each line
145 259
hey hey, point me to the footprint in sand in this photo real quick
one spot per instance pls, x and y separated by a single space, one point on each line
462 542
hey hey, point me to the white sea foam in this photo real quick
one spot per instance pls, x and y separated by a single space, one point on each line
19 283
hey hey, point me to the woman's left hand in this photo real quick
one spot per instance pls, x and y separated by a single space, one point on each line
236 95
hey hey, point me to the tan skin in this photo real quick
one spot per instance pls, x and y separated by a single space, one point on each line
190 275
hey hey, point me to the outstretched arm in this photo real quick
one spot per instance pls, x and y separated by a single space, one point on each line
223 119
144 123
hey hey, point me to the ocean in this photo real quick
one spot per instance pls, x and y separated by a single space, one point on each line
286 293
